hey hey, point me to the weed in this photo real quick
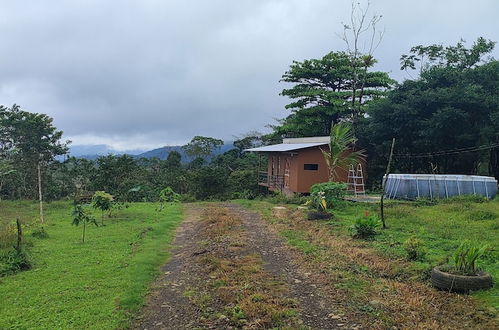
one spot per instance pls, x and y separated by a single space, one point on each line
365 227
40 233
481 215
414 248
13 261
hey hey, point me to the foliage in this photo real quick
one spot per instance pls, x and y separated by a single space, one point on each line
452 105
102 201
414 248
202 146
82 217
323 89
466 256
13 261
167 195
27 140
325 195
340 154
365 227
40 233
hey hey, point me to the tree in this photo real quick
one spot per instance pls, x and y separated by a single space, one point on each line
33 141
340 154
452 105
102 201
81 216
322 93
202 146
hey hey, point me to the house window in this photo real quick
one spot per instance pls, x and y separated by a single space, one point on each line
310 167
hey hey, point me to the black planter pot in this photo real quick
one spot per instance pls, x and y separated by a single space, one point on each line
317 215
460 283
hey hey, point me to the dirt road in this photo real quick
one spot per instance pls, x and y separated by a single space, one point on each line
229 270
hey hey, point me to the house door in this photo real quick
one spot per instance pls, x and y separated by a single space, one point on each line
286 171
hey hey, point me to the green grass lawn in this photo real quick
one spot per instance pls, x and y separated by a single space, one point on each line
96 285
441 227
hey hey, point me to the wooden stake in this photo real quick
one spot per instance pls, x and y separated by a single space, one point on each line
384 184
19 235
40 192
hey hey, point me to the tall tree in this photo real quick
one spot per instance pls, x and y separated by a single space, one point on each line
322 93
202 146
34 141
452 105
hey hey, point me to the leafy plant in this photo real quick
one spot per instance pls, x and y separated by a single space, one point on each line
80 216
466 256
102 201
340 154
167 195
324 195
414 248
365 227
13 261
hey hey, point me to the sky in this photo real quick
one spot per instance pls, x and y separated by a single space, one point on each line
136 75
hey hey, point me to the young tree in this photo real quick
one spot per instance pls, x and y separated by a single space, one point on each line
102 201
340 154
80 216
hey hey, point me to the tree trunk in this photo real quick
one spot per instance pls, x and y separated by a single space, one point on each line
40 192
83 236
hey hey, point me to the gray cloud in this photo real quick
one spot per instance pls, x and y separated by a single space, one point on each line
149 73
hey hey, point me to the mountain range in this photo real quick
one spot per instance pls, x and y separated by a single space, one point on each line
93 152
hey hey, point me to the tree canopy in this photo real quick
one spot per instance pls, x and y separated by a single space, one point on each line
328 90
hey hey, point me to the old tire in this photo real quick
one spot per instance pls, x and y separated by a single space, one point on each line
460 283
316 215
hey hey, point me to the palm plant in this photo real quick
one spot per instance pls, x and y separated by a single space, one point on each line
341 154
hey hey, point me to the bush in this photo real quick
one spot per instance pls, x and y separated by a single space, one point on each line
414 248
365 227
13 261
329 192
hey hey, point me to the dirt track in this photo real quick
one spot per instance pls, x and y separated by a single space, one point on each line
183 298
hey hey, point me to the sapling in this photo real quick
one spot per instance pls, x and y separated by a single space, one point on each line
80 216
102 201
167 195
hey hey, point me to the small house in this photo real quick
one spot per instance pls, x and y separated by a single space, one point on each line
296 164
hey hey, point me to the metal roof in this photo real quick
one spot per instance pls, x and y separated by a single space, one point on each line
286 147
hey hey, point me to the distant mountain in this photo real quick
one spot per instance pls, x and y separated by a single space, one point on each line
162 153
93 152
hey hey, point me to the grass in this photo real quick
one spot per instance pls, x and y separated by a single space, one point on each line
99 284
370 269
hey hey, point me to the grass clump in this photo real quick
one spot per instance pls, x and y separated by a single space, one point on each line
13 261
366 227
414 248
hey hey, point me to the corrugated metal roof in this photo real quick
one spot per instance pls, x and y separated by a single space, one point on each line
286 147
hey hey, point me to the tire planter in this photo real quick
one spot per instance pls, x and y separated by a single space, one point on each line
316 215
460 283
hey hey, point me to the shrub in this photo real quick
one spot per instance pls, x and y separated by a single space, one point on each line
466 256
365 227
102 201
325 195
40 233
13 261
414 248
168 196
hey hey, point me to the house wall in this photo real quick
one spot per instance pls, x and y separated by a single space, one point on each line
300 180
306 178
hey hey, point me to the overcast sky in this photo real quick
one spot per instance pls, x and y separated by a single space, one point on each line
148 73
